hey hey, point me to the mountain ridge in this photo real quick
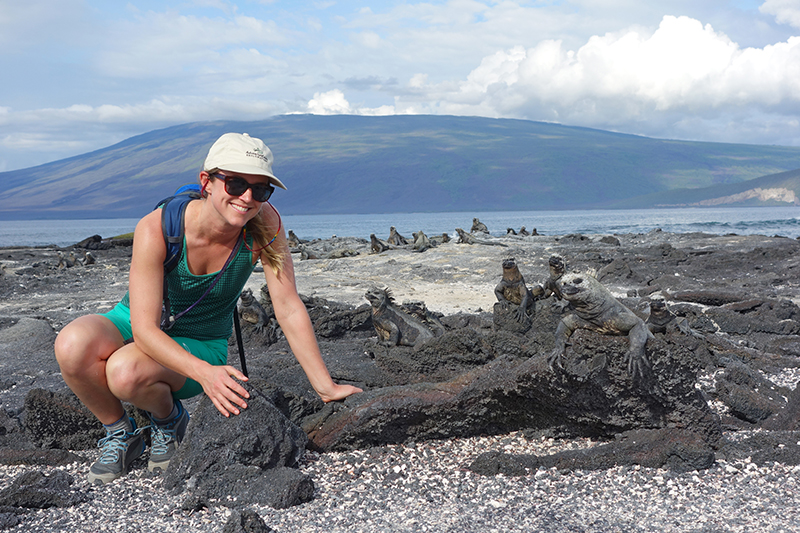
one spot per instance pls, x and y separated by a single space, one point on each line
413 163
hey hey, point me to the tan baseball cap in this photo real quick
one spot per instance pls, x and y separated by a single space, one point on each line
238 152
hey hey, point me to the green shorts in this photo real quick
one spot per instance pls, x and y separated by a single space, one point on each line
214 351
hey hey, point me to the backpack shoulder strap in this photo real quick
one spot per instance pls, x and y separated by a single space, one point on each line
173 214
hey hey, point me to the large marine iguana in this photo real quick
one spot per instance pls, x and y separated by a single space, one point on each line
393 325
513 290
596 309
466 238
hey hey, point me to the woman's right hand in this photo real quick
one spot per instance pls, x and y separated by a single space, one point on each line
227 395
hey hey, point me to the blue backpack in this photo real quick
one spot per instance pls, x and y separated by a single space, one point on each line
173 213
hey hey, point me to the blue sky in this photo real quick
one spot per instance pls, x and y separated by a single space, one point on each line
84 74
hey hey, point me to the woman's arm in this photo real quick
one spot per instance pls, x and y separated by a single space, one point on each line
146 299
296 325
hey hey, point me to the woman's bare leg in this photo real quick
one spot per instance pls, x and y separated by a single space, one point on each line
82 350
103 371
136 378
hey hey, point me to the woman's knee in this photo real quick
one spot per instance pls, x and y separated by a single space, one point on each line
84 341
126 374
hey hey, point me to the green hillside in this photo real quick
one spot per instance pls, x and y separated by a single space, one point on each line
352 164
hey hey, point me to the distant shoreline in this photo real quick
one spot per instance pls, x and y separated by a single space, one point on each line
720 221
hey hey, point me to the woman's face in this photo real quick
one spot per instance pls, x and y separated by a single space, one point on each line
234 194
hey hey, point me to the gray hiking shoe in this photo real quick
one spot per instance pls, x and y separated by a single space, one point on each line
118 449
166 438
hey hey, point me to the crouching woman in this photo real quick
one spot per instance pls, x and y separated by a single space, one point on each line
125 355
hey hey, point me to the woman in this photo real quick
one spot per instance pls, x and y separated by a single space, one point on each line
226 230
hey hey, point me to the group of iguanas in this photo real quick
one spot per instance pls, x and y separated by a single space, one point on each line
589 305
586 304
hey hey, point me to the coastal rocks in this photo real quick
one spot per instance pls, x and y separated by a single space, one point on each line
246 459
748 395
245 521
60 420
37 490
679 450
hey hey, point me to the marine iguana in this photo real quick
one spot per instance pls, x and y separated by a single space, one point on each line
510 231
66 261
524 232
512 289
393 325
395 238
377 245
596 309
558 267
293 241
421 242
478 227
662 320
437 240
420 310
466 238
252 311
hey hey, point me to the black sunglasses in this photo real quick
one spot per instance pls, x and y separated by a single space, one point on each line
236 186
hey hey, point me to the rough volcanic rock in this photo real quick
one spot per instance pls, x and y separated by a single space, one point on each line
505 395
245 459
679 450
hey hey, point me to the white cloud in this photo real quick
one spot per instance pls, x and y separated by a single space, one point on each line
785 11
334 103
329 103
632 79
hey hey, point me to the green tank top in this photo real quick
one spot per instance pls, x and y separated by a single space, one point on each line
212 318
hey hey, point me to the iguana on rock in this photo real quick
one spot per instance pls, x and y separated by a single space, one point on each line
377 245
421 242
440 239
558 267
252 311
395 238
596 309
662 320
293 241
478 227
421 311
393 325
466 238
512 289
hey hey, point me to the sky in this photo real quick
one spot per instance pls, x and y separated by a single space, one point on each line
81 75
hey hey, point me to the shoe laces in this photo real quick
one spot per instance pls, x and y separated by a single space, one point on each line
114 444
162 436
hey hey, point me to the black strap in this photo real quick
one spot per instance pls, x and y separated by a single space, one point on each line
239 343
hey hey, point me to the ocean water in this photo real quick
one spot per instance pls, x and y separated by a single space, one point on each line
767 221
